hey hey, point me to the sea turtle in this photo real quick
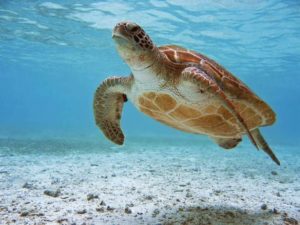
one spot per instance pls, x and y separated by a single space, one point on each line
181 88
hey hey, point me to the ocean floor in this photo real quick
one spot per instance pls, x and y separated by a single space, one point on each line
148 181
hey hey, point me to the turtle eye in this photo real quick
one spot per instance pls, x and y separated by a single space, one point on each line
132 27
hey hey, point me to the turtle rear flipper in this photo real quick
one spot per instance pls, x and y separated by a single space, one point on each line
264 145
227 143
204 81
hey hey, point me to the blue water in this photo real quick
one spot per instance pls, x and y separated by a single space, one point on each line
53 55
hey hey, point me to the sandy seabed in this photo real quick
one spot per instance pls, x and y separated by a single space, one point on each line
146 182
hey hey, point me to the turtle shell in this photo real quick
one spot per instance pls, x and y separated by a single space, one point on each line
211 118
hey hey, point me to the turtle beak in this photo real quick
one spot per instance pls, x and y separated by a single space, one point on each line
120 31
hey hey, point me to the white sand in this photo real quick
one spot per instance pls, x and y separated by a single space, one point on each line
165 183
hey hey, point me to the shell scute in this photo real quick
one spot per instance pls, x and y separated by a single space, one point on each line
253 121
239 106
182 112
205 121
165 102
247 113
210 109
144 102
150 95
225 129
224 112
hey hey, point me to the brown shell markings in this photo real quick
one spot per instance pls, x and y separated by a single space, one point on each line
235 89
212 119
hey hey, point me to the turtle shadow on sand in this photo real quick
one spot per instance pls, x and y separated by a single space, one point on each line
222 215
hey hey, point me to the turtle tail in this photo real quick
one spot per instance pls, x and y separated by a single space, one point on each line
264 145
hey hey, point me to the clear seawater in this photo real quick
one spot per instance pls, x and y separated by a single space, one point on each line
54 54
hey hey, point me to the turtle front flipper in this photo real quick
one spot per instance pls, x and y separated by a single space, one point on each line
207 84
108 105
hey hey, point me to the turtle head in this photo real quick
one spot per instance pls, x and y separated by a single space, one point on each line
134 45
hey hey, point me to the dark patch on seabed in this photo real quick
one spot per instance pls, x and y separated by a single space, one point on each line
179 182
